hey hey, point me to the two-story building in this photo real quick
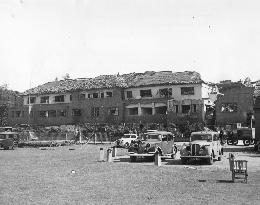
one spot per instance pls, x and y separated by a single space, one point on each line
135 97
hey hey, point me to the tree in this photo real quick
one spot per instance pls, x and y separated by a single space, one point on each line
66 77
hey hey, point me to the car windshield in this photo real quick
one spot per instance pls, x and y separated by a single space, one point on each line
201 137
154 136
127 136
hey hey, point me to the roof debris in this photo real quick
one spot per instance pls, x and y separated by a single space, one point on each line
149 78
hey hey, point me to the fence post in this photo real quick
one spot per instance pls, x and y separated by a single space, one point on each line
114 151
101 155
157 160
109 155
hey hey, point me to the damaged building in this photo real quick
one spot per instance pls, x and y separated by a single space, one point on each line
135 97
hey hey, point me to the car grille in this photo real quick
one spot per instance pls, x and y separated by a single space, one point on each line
195 148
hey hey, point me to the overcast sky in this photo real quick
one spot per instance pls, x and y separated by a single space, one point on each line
44 39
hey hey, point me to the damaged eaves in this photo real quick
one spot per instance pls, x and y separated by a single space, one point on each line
148 78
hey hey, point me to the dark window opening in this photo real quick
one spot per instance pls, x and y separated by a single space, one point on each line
95 95
161 110
32 100
102 95
70 97
147 111
194 108
187 90
185 109
133 111
18 114
113 111
76 112
52 113
82 96
62 113
43 114
45 99
59 98
129 94
177 108
146 93
89 95
166 92
109 94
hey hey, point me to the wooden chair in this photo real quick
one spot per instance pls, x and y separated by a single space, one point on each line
238 168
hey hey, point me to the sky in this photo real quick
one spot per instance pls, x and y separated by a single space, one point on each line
44 39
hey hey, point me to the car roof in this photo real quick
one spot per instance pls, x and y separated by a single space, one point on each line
10 133
205 132
158 132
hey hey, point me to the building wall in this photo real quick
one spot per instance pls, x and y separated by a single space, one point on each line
257 118
73 101
240 96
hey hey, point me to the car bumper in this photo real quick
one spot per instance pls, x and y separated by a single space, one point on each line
166 156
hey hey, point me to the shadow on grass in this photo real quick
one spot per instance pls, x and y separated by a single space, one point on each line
193 162
224 181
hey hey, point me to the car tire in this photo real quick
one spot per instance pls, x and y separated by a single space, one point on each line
229 142
235 142
246 142
133 159
184 161
126 145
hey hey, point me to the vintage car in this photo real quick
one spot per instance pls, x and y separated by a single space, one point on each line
8 140
156 141
126 140
203 145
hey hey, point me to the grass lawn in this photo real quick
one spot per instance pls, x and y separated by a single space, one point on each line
35 176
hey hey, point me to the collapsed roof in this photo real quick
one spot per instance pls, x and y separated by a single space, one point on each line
149 78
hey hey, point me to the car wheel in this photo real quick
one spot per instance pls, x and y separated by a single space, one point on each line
133 159
235 142
246 142
252 141
184 161
229 142
126 145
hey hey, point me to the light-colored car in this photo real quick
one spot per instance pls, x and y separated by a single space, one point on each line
156 141
203 145
126 140
8 139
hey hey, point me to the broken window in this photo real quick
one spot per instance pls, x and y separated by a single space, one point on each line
229 107
43 114
59 98
44 99
187 90
18 114
82 96
95 95
32 100
161 110
147 111
113 111
95 112
109 94
185 109
177 108
52 113
76 112
166 92
129 94
194 108
133 111
146 93
62 113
